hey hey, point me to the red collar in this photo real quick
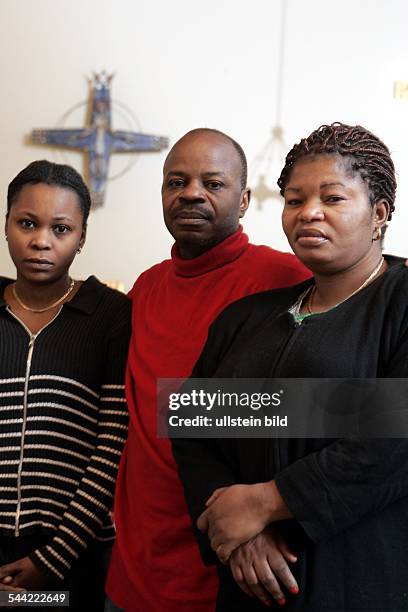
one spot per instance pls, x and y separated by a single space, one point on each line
216 257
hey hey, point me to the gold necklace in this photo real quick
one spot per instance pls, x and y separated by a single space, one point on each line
66 294
374 273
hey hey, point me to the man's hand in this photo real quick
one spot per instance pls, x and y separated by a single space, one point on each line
24 575
237 513
260 567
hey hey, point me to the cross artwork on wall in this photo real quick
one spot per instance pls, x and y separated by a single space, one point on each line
98 140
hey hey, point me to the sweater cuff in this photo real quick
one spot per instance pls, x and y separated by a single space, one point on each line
44 566
308 497
54 559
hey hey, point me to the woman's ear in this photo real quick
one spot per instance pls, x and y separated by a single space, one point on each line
381 212
83 237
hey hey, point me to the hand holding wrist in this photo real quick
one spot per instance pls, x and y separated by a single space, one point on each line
238 513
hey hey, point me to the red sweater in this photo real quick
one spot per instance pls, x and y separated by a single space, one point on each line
155 564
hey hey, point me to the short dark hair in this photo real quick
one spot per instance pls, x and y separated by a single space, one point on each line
368 156
60 175
235 144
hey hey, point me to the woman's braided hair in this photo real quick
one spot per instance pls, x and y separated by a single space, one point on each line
366 153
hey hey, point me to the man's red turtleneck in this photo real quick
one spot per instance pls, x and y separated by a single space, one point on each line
155 562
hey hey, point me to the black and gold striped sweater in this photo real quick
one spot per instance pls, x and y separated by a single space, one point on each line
63 423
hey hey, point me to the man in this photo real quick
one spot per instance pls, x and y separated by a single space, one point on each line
155 564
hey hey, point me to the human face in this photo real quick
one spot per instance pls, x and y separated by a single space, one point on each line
202 195
328 218
44 230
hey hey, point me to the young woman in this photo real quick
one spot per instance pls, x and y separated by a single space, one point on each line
63 418
342 505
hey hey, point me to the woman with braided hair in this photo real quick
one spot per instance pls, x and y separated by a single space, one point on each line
336 508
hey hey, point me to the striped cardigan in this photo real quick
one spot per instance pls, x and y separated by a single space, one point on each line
63 423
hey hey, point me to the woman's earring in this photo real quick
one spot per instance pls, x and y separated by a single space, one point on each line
6 237
79 250
377 233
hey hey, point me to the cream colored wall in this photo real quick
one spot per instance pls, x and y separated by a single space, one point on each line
185 64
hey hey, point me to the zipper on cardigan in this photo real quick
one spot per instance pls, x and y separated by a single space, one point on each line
23 430
32 339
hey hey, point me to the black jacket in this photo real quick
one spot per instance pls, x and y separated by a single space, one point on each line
349 496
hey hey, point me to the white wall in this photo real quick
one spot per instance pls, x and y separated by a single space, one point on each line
184 64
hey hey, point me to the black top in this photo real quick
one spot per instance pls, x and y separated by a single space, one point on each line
63 422
349 496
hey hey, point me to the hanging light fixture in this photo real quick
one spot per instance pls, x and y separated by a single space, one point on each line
266 164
